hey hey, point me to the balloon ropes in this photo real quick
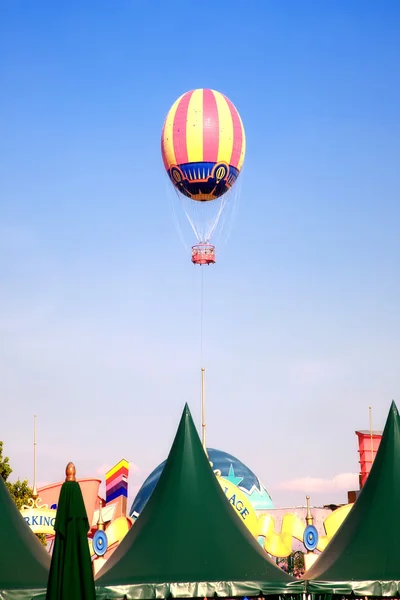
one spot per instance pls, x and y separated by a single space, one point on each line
203 146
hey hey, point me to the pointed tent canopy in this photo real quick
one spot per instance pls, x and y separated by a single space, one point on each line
24 563
363 556
188 541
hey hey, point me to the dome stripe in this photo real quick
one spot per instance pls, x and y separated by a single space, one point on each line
243 152
237 135
194 127
179 129
225 144
167 145
210 127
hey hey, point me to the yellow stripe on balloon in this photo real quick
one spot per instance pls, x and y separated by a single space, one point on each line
168 139
225 129
243 151
194 127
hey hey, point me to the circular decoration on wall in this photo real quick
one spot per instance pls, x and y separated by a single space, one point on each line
310 538
100 542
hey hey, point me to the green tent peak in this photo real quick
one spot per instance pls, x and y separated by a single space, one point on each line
186 415
188 540
365 548
24 563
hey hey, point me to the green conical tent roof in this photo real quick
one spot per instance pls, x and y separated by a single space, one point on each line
24 563
363 557
188 541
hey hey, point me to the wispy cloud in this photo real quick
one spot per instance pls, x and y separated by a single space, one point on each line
102 470
340 482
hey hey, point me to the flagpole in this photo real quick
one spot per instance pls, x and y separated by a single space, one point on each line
34 493
203 410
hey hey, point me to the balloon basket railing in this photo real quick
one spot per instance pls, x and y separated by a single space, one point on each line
203 254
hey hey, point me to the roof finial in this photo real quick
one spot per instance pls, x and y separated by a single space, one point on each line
70 472
100 522
309 517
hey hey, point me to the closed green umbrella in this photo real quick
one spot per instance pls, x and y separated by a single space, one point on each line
71 574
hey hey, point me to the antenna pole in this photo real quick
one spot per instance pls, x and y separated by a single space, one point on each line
34 493
203 411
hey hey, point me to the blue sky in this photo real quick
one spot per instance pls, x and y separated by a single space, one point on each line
99 302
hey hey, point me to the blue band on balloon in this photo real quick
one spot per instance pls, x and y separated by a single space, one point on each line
203 180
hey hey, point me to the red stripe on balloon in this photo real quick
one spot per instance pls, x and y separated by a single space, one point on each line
237 135
210 127
179 130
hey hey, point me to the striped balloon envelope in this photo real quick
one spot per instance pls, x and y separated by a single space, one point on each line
203 144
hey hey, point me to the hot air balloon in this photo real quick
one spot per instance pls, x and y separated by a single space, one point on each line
203 146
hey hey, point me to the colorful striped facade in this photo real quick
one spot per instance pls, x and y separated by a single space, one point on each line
117 481
203 144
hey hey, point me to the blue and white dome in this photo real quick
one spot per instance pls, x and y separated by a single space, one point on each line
231 469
